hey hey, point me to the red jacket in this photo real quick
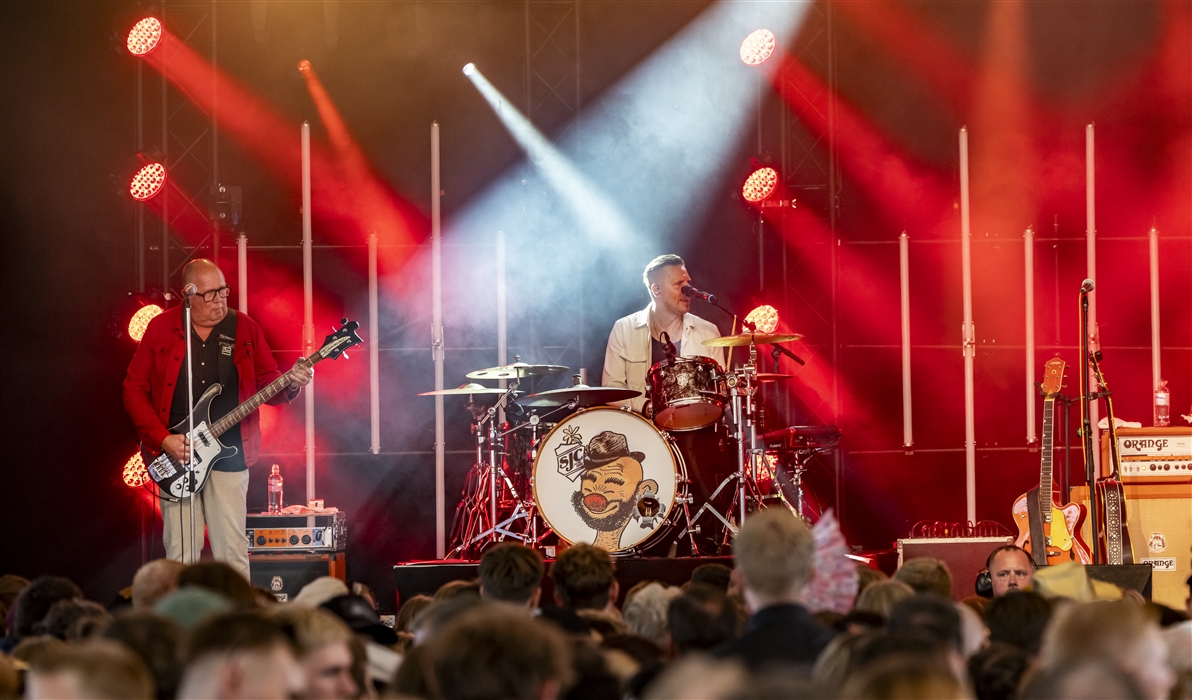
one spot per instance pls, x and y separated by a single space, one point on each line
149 384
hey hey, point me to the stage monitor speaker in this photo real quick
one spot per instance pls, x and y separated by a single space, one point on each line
1159 517
965 557
284 575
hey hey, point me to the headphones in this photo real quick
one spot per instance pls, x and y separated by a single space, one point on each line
983 586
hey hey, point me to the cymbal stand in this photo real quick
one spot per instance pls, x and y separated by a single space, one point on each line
530 513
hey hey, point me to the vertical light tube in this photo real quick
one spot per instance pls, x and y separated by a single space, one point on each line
242 271
908 437
1091 252
374 348
308 323
968 336
502 319
1156 366
1028 245
436 333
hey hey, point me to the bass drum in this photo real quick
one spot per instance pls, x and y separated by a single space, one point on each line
608 477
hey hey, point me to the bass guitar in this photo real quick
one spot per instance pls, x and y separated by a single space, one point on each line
1049 532
1111 498
175 479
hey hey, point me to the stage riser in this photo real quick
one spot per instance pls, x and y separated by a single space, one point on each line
424 578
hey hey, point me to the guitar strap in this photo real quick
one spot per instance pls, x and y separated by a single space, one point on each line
1035 519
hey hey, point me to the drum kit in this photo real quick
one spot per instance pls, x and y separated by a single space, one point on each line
577 464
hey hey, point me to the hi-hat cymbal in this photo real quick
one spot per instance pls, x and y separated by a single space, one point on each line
771 377
517 370
741 339
467 390
584 395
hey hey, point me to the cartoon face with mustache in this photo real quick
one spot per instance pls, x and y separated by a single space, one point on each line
610 488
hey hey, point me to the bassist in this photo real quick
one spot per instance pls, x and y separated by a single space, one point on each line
230 349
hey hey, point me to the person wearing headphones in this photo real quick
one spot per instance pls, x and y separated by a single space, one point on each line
1008 568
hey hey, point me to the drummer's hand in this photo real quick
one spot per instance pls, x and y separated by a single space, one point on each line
178 447
301 375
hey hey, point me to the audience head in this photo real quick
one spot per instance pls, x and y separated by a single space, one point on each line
646 612
1089 680
241 654
699 677
700 619
37 648
495 652
997 670
1018 618
584 577
904 676
153 581
436 616
324 647
1010 569
221 578
773 552
931 615
882 596
95 670
1118 634
191 605
512 573
714 575
454 589
409 610
867 576
157 640
11 586
36 599
361 617
926 575
319 591
73 619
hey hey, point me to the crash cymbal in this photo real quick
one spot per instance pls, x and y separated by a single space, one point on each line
517 370
771 377
742 339
584 394
467 390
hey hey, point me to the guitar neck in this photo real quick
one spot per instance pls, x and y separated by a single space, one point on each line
1046 502
258 399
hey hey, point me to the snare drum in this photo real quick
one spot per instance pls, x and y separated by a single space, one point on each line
607 476
686 393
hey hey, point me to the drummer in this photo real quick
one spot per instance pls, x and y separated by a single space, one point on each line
635 343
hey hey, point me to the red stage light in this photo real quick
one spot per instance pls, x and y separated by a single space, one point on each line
759 185
303 66
140 321
144 36
135 473
147 182
758 46
764 317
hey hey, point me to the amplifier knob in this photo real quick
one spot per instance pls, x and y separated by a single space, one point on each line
306 539
260 540
293 539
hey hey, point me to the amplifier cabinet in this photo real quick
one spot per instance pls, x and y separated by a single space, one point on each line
1159 518
965 557
284 574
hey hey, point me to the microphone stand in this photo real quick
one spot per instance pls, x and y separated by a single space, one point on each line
1086 427
190 425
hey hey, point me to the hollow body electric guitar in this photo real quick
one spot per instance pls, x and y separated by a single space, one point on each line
1050 532
173 478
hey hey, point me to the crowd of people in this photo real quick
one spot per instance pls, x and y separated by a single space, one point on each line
202 631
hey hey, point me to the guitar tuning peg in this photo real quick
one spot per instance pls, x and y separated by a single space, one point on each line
343 322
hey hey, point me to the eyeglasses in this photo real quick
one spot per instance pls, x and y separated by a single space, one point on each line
222 292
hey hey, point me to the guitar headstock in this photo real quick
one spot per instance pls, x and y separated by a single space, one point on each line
339 341
1053 377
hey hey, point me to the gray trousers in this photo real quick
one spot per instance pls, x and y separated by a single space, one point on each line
221 506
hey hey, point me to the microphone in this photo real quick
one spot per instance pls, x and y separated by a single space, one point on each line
1086 286
668 347
689 291
190 290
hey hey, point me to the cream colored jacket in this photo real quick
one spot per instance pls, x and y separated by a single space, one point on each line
627 357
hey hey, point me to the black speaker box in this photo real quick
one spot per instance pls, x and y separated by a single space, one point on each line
284 575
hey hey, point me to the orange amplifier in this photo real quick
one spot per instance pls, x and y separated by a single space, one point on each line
1151 455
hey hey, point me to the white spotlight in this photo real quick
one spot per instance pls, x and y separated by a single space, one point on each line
469 69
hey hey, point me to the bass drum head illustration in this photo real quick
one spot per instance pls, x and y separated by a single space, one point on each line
607 477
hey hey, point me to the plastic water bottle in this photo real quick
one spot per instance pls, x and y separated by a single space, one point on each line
1162 405
275 491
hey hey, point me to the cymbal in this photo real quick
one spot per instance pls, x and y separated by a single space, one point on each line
517 370
586 396
467 390
771 377
741 339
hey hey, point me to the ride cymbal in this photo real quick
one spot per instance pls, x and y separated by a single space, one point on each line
517 370
584 394
467 390
743 339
